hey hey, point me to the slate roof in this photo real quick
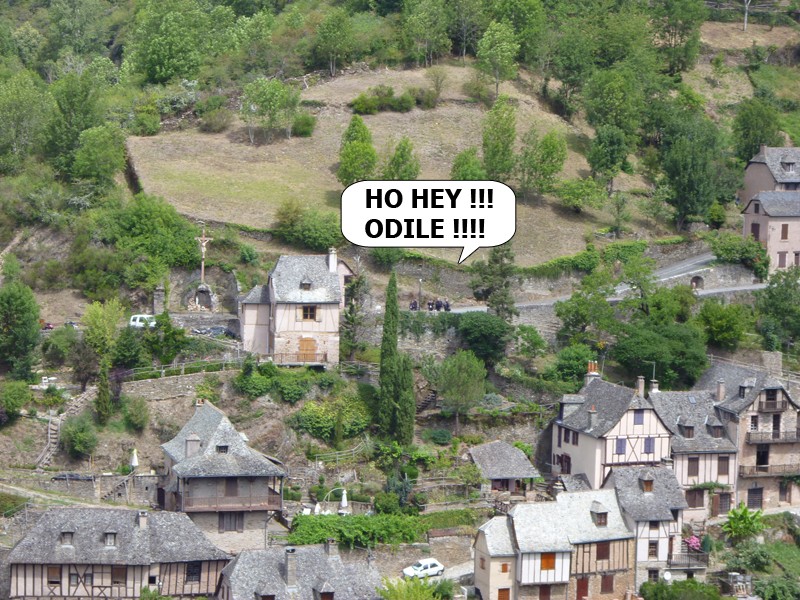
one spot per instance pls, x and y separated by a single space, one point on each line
169 537
610 402
261 572
778 204
290 271
258 295
773 157
556 526
578 482
498 534
214 429
696 409
501 460
752 378
647 506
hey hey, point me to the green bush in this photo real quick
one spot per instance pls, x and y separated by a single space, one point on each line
216 121
387 257
57 346
293 385
426 98
440 437
355 530
136 414
210 104
146 120
403 103
387 503
364 104
13 396
304 124
732 248
749 557
79 436
247 254
321 418
253 385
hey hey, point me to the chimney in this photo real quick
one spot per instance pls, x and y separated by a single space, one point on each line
142 520
331 547
666 462
640 385
192 445
591 372
291 567
592 413
653 386
199 402
720 390
333 262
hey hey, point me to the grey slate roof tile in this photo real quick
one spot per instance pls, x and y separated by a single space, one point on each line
258 295
497 531
695 409
610 402
752 379
647 506
290 271
501 460
773 157
778 204
168 537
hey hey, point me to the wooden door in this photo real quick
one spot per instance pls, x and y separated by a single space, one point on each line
308 350
755 231
504 594
715 505
583 588
231 487
544 592
755 498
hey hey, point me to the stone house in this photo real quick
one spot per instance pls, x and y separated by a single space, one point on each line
606 425
652 504
506 467
576 547
87 553
211 474
307 572
773 218
294 318
772 169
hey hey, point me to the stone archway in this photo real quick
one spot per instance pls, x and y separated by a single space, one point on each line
697 282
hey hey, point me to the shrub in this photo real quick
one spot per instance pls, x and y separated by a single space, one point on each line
136 414
349 413
216 121
387 503
304 124
293 386
364 104
146 120
749 557
403 103
253 385
743 523
426 98
58 345
355 530
247 254
210 104
732 248
79 436
440 437
777 587
387 257
13 396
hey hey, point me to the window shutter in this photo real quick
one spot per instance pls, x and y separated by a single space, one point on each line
240 522
221 522
298 313
318 313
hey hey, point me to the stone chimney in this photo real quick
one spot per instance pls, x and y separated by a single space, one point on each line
142 519
640 385
291 567
331 547
333 261
666 462
720 390
591 372
653 386
192 445
592 419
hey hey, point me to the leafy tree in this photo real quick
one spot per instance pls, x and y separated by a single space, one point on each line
335 37
756 123
614 98
467 166
137 414
540 161
13 396
129 352
688 589
732 248
388 365
57 346
102 403
403 164
619 212
608 154
578 194
497 51
494 279
572 61
485 335
743 523
19 328
354 316
77 24
460 383
79 436
357 131
29 43
101 321
777 587
528 21
25 110
467 22
407 589
357 162
677 24
426 23
571 363
716 216
777 305
529 342
165 341
270 104
499 133
83 361
100 154
587 313
724 325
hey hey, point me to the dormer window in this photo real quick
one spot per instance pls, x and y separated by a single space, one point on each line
66 538
688 431
111 539
222 449
742 391
599 514
305 284
788 167
716 431
647 485
326 596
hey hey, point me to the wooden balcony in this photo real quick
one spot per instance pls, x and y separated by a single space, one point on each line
773 437
768 470
232 503
688 560
295 359
772 405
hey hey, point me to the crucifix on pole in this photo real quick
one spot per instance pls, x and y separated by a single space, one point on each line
203 242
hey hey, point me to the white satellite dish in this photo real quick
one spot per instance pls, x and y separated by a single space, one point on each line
667 576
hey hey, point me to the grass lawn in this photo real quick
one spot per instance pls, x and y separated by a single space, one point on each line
783 81
787 555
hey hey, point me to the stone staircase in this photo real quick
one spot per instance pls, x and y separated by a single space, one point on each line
73 407
427 402
121 484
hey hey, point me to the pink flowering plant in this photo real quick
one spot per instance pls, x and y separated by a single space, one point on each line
693 543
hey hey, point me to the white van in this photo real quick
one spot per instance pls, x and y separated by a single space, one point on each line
140 321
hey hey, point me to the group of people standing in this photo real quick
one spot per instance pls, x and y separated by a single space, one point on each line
436 305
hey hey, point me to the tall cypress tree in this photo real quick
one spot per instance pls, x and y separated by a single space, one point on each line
406 406
387 377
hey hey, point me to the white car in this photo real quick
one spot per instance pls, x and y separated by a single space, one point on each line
427 567
141 321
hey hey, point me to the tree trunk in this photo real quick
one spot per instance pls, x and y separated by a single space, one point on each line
746 11
458 425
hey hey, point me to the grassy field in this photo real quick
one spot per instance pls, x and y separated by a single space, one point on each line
783 81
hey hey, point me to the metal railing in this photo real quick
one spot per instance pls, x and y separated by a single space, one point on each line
299 358
772 405
688 560
768 470
183 368
773 437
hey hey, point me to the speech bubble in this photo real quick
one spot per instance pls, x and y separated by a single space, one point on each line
429 214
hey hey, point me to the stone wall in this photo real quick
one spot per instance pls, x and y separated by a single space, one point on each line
141 490
671 253
716 276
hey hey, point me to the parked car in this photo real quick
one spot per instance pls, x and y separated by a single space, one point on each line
426 567
141 321
72 324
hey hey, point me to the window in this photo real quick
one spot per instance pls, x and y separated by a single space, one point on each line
607 584
603 550
638 416
504 568
723 464
326 596
222 449
652 575
73 579
782 260
53 575
649 445
119 575
504 594
601 519
66 538
620 446
88 579
558 434
652 549
193 572
755 498
694 498
305 285
742 391
654 525
772 395
784 231
309 313
647 485
548 561
575 437
688 432
693 466
756 207
754 423
483 563
797 259
152 580
111 539
266 597
231 487
716 431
